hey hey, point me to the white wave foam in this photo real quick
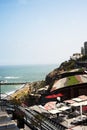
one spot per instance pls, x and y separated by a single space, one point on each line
6 94
3 96
9 93
11 77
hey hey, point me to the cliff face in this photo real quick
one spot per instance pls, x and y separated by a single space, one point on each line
32 92
64 67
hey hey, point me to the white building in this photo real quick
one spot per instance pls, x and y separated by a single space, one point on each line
76 56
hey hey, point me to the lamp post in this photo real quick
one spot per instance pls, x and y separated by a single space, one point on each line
81 111
0 88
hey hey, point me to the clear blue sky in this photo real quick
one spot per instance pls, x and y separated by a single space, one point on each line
41 31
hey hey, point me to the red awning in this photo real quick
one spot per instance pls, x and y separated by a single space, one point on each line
84 108
54 95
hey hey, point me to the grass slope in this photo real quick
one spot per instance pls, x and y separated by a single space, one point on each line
72 80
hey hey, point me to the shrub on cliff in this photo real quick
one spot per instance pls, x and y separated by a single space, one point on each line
65 66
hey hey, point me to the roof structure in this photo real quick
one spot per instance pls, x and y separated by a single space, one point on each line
72 119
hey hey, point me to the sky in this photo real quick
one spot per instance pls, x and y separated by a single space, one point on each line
41 31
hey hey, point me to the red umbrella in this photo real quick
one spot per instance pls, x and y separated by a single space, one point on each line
54 95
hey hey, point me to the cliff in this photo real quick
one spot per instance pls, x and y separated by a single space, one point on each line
31 93
64 67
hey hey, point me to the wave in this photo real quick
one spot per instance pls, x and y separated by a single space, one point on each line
11 77
5 95
9 93
17 89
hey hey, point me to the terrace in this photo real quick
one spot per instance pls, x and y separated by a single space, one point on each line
72 113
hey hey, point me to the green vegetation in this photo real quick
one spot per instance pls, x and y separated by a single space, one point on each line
72 81
68 65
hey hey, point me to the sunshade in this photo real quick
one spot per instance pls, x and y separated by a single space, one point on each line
54 95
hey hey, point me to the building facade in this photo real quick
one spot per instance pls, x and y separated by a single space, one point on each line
85 48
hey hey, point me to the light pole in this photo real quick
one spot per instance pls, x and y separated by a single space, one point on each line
0 89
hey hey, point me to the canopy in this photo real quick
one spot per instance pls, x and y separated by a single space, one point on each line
54 111
54 95
50 105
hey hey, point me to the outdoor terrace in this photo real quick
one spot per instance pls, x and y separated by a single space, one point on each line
71 113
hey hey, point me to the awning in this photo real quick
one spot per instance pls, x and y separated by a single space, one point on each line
54 95
50 105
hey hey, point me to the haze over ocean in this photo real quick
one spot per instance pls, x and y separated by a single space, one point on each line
23 73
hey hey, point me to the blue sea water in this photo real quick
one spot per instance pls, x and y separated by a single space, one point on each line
23 73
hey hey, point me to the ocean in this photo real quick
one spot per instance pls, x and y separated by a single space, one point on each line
22 73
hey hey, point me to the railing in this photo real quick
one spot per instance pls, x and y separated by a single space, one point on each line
33 119
39 121
15 83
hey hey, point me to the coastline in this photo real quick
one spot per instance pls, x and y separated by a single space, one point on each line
27 95
21 91
28 88
22 73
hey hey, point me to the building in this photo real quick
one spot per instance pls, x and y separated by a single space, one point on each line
76 56
85 48
82 51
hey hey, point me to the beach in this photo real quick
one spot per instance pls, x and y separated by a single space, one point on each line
20 92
